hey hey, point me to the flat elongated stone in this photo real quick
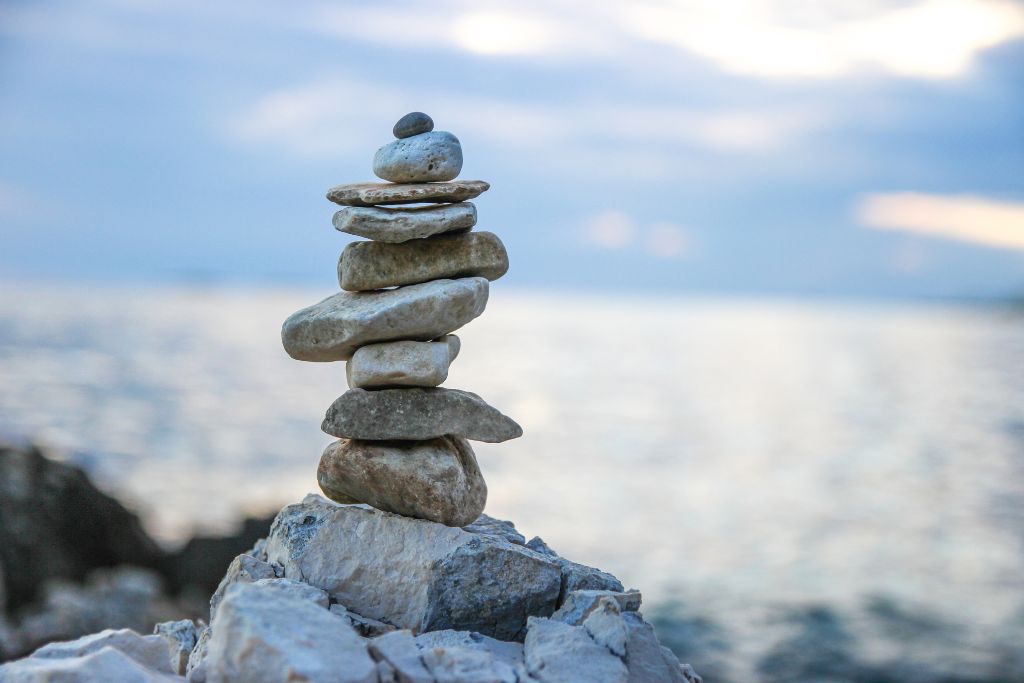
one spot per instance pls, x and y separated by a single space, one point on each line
375 265
334 328
372 194
424 158
401 224
437 480
402 363
417 414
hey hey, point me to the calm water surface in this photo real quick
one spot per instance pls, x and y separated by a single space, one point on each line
802 491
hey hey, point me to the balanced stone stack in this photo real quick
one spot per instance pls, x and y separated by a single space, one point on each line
402 439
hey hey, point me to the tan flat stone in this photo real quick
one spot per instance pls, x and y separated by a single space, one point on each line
372 194
402 363
401 224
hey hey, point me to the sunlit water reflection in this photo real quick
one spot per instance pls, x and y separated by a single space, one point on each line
821 491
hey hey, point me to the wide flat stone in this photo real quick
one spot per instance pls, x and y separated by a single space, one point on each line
423 158
375 265
334 328
402 363
438 480
372 194
413 573
402 224
417 414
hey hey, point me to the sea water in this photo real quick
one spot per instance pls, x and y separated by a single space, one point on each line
802 490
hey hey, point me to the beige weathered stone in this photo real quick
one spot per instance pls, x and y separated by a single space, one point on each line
373 194
437 479
417 414
402 363
376 265
334 328
401 224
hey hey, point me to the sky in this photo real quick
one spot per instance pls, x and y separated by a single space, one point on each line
792 147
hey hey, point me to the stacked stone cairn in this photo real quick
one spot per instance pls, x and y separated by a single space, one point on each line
403 441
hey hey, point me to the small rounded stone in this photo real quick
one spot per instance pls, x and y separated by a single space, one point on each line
413 123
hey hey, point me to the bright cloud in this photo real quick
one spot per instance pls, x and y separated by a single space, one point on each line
929 39
666 240
610 230
967 218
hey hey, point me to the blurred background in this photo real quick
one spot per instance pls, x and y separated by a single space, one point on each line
763 326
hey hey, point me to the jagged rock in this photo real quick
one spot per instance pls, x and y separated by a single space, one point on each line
334 328
196 669
511 653
457 665
180 638
399 650
106 664
402 363
413 123
149 651
413 573
376 265
437 479
559 653
417 414
401 224
295 589
261 634
647 660
578 604
373 194
364 626
243 569
576 576
84 529
606 626
427 157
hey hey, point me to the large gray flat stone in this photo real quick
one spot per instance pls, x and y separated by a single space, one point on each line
334 328
402 224
373 194
412 573
375 265
438 480
416 414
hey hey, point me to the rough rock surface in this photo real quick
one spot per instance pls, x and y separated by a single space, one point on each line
180 637
376 265
417 414
374 194
402 363
334 328
423 158
398 225
108 665
150 651
437 479
412 573
243 569
413 123
556 652
268 635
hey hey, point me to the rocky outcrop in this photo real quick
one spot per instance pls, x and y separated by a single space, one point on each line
350 593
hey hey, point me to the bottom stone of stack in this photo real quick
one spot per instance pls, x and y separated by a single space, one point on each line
438 479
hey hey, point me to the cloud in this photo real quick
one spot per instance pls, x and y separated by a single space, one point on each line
667 240
761 38
617 230
610 230
978 220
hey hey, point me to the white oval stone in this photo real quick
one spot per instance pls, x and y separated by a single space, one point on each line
424 158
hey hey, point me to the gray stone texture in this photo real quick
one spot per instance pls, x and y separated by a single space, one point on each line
428 157
401 224
262 635
180 638
334 328
376 265
374 194
557 653
108 664
413 123
402 363
417 414
412 573
438 480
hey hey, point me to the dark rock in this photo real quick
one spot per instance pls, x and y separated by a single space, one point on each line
413 123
